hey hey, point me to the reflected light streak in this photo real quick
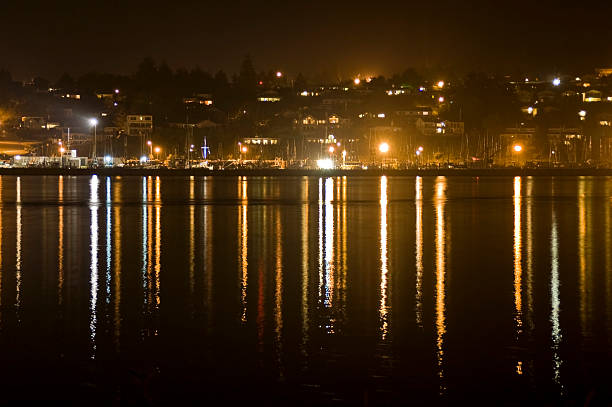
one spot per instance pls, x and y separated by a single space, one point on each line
305 321
60 243
18 247
419 250
157 239
93 278
108 240
555 300
529 251
439 203
243 242
518 267
329 243
117 259
582 225
278 291
320 234
208 248
191 235
1 233
383 259
144 240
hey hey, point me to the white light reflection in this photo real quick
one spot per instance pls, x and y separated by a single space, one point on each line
93 276
418 200
144 240
555 299
439 202
18 247
383 259
60 243
157 239
108 240
329 244
191 235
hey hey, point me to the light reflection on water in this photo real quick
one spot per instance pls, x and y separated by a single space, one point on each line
315 274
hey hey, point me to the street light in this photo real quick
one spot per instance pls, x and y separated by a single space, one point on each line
518 148
331 149
556 82
150 144
357 81
582 114
157 151
383 147
94 123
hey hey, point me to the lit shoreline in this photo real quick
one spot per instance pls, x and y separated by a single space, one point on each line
115 171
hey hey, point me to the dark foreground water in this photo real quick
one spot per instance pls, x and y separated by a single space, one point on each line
335 291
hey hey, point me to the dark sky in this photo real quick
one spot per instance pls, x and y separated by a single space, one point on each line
338 38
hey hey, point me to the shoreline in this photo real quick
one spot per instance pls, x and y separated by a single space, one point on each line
497 172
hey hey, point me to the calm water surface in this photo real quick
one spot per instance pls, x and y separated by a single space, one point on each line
364 291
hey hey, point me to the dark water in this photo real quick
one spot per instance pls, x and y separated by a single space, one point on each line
336 291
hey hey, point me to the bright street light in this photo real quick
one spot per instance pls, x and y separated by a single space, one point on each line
556 82
357 81
331 149
93 122
383 147
279 74
420 149
244 149
441 84
518 148
157 150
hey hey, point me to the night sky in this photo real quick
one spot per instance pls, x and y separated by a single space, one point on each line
335 38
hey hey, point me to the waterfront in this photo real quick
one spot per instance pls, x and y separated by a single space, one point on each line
326 290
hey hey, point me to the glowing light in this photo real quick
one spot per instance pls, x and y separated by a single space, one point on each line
108 159
244 149
331 149
357 81
143 159
62 150
279 74
418 152
530 110
325 164
556 82
93 122
420 149
441 99
17 157
582 113
383 147
149 142
381 115
518 148
441 84
157 149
